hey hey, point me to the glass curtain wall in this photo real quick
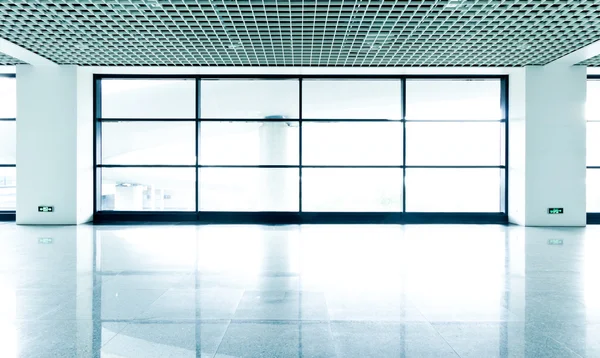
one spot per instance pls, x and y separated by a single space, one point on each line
317 145
592 115
8 147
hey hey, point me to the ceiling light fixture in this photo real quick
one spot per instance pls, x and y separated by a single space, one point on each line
235 46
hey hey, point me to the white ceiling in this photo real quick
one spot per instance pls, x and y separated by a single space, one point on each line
382 33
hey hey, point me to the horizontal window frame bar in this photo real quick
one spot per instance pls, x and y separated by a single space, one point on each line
213 217
454 120
7 119
283 218
8 165
8 215
284 166
146 166
313 120
593 218
298 76
109 120
8 75
593 167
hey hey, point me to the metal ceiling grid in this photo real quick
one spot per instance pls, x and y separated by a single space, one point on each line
383 33
594 61
6 60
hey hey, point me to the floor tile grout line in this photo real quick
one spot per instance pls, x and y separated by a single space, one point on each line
113 337
335 348
563 345
222 339
229 324
443 338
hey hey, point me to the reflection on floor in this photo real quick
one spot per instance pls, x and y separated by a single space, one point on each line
299 291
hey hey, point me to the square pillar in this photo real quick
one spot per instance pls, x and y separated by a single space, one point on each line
547 145
54 145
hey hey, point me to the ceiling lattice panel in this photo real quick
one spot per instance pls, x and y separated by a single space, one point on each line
7 60
301 33
594 61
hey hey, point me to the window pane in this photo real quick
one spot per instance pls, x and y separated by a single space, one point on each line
8 97
593 190
254 99
8 142
148 143
249 143
592 103
351 99
153 189
453 99
147 98
593 143
351 189
453 143
346 143
8 189
249 189
453 190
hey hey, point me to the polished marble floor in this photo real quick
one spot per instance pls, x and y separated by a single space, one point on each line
299 291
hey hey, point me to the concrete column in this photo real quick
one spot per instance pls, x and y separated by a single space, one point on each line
547 145
273 150
54 145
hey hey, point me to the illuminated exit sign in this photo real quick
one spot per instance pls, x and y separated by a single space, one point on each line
555 210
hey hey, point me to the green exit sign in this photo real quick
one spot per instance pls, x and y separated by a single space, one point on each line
555 242
45 209
555 210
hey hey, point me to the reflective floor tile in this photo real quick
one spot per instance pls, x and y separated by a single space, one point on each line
192 304
277 340
77 338
125 304
511 339
166 340
282 305
389 340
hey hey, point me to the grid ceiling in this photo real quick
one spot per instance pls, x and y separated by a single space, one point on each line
301 33
7 60
594 61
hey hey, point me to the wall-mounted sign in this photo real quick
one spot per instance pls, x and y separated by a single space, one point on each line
45 240
45 209
555 242
555 210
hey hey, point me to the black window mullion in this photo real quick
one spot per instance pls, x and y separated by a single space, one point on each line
97 149
300 146
197 179
403 99
504 106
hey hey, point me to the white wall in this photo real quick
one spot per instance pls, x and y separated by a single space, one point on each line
85 149
547 118
49 141
556 145
516 148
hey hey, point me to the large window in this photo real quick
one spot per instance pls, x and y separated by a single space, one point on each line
8 147
295 145
592 115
